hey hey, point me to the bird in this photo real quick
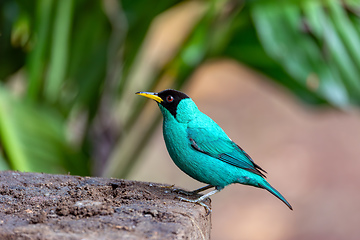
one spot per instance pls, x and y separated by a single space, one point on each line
201 148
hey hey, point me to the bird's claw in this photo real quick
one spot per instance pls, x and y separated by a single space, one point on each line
208 209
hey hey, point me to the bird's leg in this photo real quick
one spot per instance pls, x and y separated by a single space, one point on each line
192 192
202 189
203 197
200 199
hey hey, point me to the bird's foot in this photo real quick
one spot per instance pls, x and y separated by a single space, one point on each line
198 201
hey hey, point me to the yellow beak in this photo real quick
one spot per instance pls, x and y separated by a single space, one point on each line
151 95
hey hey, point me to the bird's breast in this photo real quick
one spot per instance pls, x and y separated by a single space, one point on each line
176 141
180 150
194 163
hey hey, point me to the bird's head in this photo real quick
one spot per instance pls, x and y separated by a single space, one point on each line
173 103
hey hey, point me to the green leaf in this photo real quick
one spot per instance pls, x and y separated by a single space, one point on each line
3 164
306 40
33 138
59 49
246 47
36 59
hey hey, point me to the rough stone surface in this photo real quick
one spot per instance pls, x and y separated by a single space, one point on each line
44 206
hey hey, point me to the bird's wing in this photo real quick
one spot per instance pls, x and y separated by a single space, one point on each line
210 139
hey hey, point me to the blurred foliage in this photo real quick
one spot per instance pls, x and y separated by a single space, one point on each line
69 69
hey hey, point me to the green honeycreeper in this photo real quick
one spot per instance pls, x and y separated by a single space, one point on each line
200 148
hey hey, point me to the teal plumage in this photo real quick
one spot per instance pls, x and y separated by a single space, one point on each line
200 148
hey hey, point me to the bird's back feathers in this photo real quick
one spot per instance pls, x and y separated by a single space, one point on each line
206 136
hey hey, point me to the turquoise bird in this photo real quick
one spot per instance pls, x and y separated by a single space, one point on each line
201 149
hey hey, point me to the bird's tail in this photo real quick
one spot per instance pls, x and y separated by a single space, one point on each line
272 190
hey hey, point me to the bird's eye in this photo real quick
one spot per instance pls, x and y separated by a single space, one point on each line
169 99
